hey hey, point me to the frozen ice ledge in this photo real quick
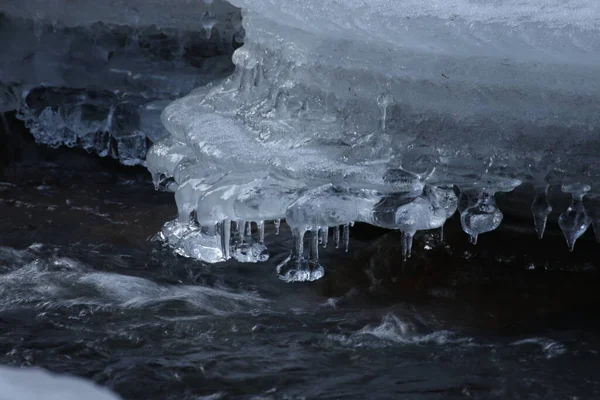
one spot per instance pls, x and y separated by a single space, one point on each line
97 74
392 113
395 114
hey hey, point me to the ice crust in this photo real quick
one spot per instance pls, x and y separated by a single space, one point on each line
97 75
392 113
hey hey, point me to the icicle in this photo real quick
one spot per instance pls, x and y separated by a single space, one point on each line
325 236
574 221
442 233
298 245
473 239
483 216
336 236
261 232
541 209
383 101
314 246
226 238
241 228
277 223
248 231
296 268
406 240
207 30
346 235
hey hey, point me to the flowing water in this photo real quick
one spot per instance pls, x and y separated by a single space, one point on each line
85 289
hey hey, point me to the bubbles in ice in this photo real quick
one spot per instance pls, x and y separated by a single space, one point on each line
574 221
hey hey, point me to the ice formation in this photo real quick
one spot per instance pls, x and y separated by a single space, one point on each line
392 113
97 75
383 112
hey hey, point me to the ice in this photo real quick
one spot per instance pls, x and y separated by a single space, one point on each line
33 384
541 208
99 77
575 220
336 112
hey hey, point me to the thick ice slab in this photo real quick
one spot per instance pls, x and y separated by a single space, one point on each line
97 76
395 114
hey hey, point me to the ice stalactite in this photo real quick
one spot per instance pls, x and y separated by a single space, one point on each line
574 221
481 216
324 236
277 224
297 267
336 236
540 208
316 128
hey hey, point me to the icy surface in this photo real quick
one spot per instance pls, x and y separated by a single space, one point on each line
34 384
391 113
97 75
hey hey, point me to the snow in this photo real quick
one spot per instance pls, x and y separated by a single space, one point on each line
35 384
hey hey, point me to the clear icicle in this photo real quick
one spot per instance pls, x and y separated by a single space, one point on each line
241 229
541 209
314 246
248 229
324 236
406 240
346 235
574 221
483 216
296 268
473 238
226 238
277 223
442 233
261 232
336 236
298 245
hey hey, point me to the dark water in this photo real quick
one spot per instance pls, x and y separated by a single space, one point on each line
85 290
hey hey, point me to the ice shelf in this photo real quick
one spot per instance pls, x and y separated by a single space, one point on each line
391 113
